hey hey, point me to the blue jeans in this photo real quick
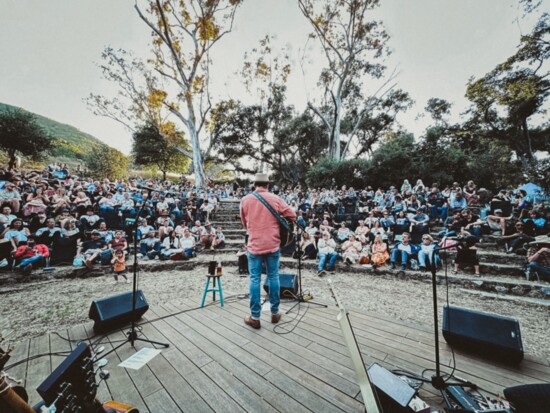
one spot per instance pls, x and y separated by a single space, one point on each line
151 252
439 212
272 268
542 271
323 259
31 260
424 258
397 254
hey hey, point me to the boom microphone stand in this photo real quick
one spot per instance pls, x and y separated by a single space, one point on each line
300 296
132 335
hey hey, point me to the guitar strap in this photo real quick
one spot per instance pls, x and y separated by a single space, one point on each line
275 214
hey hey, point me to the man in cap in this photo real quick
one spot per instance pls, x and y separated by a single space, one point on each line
263 246
92 249
497 222
538 256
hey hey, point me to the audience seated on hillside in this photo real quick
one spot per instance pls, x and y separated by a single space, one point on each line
63 210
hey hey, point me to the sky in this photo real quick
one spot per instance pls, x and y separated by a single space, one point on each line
50 51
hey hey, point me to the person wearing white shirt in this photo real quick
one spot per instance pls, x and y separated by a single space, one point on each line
326 248
188 243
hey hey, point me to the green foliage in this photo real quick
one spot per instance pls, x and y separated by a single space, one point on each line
20 133
67 141
438 109
107 162
351 173
151 148
505 99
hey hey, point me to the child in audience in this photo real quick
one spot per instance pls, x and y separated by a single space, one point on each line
119 265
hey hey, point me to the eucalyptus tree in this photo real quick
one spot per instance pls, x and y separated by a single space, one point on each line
353 45
173 85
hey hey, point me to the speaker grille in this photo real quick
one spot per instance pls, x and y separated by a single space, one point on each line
114 311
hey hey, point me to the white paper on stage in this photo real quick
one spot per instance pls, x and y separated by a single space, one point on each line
140 359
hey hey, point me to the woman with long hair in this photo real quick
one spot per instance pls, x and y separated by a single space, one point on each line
380 254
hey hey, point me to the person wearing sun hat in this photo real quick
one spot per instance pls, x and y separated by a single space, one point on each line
538 256
263 246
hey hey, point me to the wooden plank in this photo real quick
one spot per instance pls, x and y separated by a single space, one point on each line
198 332
121 387
318 386
179 341
208 390
239 368
38 369
20 352
178 387
333 372
237 390
304 395
161 402
143 379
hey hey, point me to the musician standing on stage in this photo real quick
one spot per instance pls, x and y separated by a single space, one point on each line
263 246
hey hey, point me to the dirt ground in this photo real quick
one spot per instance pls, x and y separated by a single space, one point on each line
34 308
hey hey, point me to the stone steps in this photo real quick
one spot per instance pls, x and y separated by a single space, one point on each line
496 283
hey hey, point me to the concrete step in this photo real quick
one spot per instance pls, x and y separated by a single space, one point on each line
506 297
496 257
500 285
228 225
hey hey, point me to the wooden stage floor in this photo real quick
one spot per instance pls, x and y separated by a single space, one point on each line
217 364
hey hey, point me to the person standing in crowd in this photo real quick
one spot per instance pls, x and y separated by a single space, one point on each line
263 246
119 266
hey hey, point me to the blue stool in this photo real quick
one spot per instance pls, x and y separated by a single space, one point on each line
213 289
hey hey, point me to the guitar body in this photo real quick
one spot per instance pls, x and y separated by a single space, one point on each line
13 399
286 234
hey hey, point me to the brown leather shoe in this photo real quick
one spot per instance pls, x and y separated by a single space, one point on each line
275 318
251 322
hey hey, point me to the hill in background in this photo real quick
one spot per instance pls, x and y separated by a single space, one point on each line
72 146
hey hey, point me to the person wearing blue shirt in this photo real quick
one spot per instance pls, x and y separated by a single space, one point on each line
458 203
427 252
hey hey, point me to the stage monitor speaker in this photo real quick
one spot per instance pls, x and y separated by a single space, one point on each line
490 335
112 312
393 393
288 285
529 398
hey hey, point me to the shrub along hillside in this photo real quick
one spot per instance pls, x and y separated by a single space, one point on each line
71 145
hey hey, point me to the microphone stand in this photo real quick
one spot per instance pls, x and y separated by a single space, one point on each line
300 296
132 335
437 381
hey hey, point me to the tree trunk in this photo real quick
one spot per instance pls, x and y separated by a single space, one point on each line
334 142
198 165
527 137
163 176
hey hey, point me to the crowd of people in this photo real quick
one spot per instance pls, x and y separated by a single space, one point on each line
52 216
396 226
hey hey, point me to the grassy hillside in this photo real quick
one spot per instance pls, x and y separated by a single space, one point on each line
72 145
